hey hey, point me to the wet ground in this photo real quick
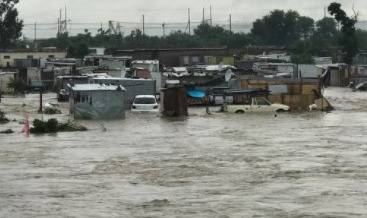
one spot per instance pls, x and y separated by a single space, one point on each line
293 165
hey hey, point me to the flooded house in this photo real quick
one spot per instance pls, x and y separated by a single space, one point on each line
96 101
336 75
147 69
61 86
133 87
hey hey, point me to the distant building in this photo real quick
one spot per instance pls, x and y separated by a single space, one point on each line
176 56
8 57
97 51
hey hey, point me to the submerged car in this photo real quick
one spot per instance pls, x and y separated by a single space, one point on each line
255 104
145 103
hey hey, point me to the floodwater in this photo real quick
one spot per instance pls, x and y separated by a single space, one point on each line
221 165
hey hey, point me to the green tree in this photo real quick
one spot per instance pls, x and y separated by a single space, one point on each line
282 28
348 39
306 27
10 25
325 37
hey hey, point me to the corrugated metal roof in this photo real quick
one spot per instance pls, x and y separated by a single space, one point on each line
96 87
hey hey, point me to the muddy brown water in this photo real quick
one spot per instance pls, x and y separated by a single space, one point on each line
294 165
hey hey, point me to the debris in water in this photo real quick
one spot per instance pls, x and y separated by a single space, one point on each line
8 131
3 119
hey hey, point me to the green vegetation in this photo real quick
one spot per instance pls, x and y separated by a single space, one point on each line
3 118
52 111
53 126
348 37
10 25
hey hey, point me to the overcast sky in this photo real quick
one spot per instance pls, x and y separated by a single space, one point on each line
100 11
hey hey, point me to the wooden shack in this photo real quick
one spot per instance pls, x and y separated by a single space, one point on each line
95 101
174 102
298 94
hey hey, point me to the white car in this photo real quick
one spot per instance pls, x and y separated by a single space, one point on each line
256 104
145 103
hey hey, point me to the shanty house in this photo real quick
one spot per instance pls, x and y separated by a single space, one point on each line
96 101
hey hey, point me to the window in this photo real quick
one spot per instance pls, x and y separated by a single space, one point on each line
29 56
6 57
262 101
144 101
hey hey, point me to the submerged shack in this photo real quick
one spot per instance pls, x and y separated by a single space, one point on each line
95 101
133 87
174 102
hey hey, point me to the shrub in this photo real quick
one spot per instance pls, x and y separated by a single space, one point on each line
52 111
53 126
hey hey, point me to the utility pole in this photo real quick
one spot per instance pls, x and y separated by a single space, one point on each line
58 26
40 109
143 24
230 22
203 15
59 21
211 18
35 32
189 21
66 21
35 35
164 30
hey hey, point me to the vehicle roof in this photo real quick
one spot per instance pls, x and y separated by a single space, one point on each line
96 87
145 96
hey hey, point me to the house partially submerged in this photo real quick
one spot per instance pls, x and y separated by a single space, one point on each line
147 69
335 75
133 87
95 101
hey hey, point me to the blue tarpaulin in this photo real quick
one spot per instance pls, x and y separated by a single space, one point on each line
196 93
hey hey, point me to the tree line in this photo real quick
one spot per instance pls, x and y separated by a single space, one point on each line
301 35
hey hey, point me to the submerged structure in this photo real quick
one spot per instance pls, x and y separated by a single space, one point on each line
174 101
95 101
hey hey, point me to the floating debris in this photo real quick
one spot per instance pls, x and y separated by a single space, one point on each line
3 118
8 131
